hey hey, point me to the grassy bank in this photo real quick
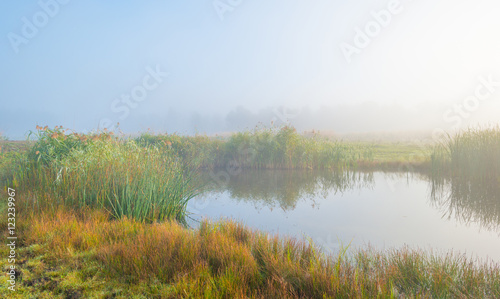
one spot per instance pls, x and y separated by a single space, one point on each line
98 216
68 254
284 148
279 148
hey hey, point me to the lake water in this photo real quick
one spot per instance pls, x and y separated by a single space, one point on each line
383 210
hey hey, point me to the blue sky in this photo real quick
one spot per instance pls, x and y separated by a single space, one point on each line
262 54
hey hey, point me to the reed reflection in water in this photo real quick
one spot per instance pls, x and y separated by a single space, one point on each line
385 210
468 200
284 188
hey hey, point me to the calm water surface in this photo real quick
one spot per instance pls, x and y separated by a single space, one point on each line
383 210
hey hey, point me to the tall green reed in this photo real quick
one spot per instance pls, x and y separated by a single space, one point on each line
263 148
100 171
472 153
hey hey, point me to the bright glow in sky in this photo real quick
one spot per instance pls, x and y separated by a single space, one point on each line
71 65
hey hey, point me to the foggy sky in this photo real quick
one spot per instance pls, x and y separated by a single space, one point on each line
219 66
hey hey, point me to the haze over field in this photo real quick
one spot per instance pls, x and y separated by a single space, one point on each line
218 66
260 149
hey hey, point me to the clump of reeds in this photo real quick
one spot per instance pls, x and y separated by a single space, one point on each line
195 151
100 171
263 148
473 153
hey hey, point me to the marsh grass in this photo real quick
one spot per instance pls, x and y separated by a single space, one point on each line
100 171
7 165
473 153
263 148
11 152
468 165
69 185
226 260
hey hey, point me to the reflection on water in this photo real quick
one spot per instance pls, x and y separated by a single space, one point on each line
468 200
461 199
358 208
283 188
